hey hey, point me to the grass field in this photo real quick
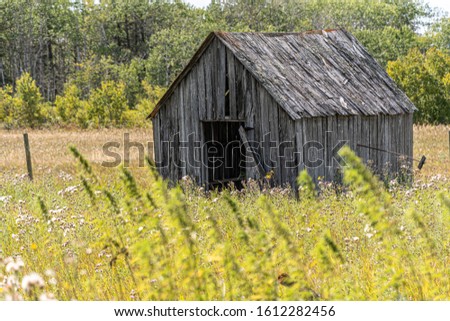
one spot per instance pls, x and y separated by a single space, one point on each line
86 232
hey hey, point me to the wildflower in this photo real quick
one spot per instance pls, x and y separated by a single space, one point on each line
5 199
32 281
57 211
14 266
355 239
69 190
50 273
88 251
140 229
53 281
11 282
47 297
70 258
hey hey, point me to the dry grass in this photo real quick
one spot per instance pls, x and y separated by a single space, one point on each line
433 142
50 148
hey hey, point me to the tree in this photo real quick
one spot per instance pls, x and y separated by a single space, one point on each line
439 35
107 104
425 79
29 111
70 108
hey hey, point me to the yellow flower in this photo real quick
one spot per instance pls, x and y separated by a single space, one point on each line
33 246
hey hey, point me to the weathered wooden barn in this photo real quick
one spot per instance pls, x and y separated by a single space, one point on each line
248 104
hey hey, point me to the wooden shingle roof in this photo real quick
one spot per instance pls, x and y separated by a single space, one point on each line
312 74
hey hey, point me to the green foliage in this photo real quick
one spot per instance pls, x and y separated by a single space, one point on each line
171 50
147 102
84 43
439 35
425 79
7 106
107 104
23 107
388 43
29 111
70 107
306 186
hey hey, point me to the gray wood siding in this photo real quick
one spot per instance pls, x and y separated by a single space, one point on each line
391 133
201 96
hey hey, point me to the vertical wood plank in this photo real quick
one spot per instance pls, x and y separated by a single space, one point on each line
274 137
201 90
207 63
220 73
156 139
299 141
231 84
320 153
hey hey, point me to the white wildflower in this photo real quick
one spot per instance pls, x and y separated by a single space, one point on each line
53 281
14 266
50 273
5 199
69 190
32 281
47 297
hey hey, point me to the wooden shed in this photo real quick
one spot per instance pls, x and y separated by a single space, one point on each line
248 104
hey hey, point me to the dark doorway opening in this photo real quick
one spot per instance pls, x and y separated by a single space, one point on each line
223 153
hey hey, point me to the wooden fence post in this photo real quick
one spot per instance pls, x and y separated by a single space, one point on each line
28 155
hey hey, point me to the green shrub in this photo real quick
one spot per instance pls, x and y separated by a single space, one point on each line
425 79
23 107
29 108
69 104
107 104
7 106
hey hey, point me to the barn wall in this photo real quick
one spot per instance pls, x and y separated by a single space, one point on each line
391 133
201 96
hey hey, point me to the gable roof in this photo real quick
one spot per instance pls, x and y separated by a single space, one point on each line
311 74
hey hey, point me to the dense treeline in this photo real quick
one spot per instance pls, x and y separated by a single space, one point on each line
105 63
